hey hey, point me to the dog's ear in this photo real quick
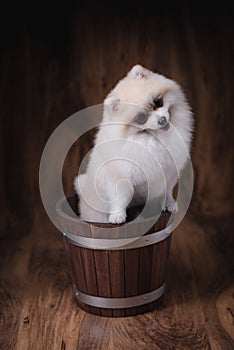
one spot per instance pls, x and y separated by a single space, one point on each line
138 72
112 102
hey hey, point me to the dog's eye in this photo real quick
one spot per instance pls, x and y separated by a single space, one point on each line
158 102
141 118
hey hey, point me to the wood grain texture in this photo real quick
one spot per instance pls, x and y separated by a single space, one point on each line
38 308
57 72
67 58
116 273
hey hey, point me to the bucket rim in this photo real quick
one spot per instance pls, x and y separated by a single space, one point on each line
63 214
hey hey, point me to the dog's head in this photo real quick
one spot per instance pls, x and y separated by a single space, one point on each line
144 100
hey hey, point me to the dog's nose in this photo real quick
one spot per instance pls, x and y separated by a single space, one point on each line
162 121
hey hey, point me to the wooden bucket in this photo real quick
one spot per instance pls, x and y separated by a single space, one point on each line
112 279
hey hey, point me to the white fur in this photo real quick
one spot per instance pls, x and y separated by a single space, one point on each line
129 161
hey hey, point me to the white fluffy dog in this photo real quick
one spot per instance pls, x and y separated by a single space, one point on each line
142 144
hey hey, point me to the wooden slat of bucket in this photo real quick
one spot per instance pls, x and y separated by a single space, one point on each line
166 262
102 231
163 220
159 266
156 273
131 277
107 231
90 275
79 278
76 257
145 269
160 224
101 258
116 264
78 228
85 231
68 249
164 259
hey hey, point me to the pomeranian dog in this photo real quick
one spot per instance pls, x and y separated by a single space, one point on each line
141 147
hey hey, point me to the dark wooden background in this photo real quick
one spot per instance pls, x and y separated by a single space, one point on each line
59 58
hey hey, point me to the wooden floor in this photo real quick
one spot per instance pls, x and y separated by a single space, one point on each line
38 309
68 58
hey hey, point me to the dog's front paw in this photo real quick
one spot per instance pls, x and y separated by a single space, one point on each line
118 218
171 206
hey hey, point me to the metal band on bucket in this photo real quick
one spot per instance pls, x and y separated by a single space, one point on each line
119 244
120 303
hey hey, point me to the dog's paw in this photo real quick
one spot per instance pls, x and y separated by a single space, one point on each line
118 218
171 206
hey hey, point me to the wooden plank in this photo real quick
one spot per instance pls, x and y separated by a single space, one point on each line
101 258
78 268
156 266
90 275
145 271
165 259
131 277
116 266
